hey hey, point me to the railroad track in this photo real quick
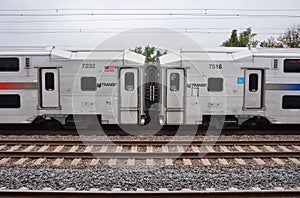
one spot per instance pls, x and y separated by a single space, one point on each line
159 194
37 151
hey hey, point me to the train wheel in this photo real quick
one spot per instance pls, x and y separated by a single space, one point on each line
52 125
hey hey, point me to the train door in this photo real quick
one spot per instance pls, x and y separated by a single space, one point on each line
49 88
175 96
253 89
128 96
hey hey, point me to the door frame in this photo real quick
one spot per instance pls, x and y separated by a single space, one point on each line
173 111
40 88
260 85
129 110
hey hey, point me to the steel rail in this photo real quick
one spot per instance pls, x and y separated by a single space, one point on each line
144 155
150 142
147 194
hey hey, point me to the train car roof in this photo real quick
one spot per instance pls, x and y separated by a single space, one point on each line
227 54
73 53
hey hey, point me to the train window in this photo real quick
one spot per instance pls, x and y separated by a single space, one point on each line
291 66
49 81
174 81
253 82
129 81
215 84
291 102
9 64
10 101
88 84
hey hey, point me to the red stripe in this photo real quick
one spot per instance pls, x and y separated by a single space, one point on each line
17 85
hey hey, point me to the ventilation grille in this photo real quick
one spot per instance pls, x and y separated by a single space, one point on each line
275 64
27 62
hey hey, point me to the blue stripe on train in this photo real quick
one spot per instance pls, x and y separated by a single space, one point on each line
286 87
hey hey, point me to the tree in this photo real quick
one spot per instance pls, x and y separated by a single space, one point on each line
290 39
271 43
245 39
151 53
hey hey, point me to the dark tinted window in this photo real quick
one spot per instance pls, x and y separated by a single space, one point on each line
9 64
129 81
10 101
88 84
49 81
291 102
253 82
291 66
215 84
174 82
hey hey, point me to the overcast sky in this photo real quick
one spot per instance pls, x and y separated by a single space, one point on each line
38 30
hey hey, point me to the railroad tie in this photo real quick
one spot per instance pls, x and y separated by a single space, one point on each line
296 147
75 162
165 149
205 162
29 148
112 162
149 149
233 189
149 162
187 162
103 149
294 160
116 189
134 149
119 149
269 148
16 147
195 149
39 161
131 162
259 161
255 148
283 148
224 149
21 161
210 149
73 149
58 148
278 161
180 149
88 149
140 189
240 161
4 160
240 149
43 148
223 161
168 162
94 162
58 161
2 147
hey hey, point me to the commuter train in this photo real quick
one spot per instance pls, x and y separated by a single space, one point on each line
56 86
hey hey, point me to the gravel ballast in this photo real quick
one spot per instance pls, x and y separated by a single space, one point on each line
151 179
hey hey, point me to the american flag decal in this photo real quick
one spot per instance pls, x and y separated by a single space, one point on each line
109 68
